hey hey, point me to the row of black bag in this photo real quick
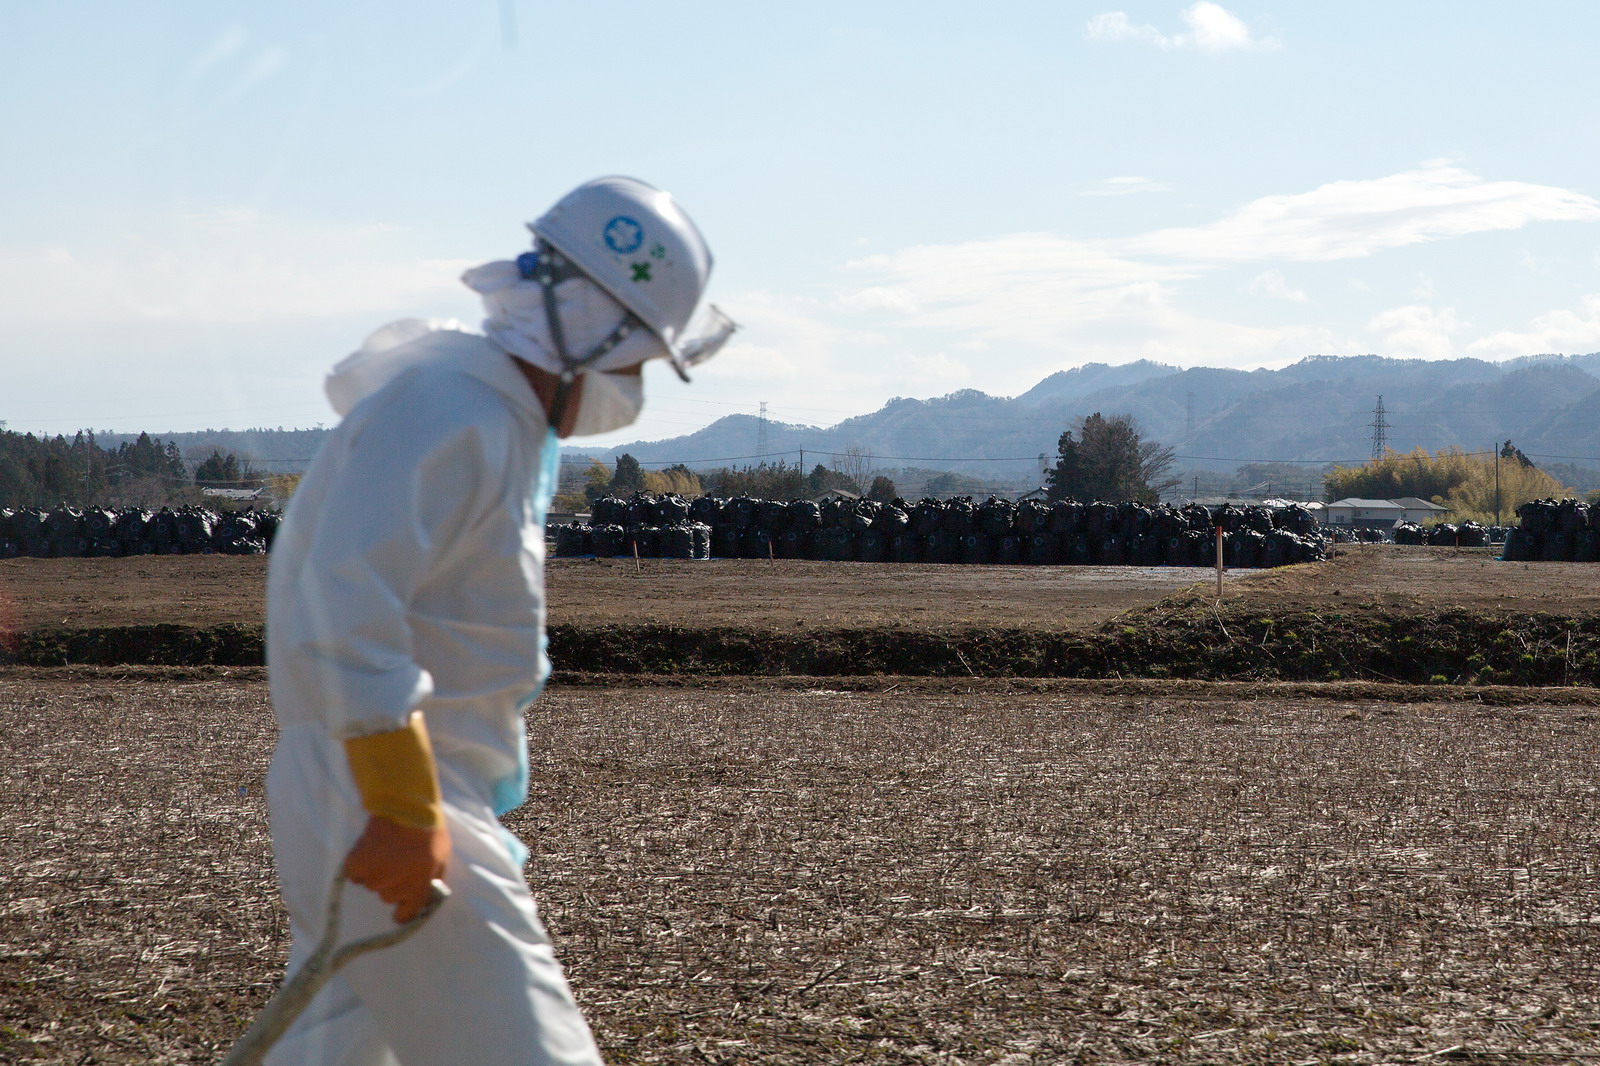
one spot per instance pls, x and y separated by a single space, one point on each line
96 532
994 531
994 517
1447 534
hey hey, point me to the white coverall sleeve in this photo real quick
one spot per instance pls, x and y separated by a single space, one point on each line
415 473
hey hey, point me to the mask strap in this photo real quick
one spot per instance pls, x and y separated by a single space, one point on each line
550 270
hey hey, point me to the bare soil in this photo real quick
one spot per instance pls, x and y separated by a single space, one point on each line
210 590
885 871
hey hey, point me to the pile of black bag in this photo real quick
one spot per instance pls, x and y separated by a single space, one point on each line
1353 535
961 530
1467 534
652 527
1555 531
94 532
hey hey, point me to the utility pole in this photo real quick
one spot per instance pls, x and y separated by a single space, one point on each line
1380 431
1497 484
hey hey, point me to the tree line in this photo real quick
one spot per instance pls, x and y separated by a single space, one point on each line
767 481
1099 458
48 472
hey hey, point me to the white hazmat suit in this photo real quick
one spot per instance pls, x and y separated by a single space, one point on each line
408 576
405 631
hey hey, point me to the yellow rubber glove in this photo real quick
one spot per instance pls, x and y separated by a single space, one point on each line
405 844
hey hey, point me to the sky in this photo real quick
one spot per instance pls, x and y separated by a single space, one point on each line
205 206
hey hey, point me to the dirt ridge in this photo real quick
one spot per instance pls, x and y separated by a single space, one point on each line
1185 637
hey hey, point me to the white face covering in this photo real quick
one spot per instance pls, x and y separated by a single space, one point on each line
517 321
608 402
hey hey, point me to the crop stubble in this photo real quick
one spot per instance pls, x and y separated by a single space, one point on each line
744 872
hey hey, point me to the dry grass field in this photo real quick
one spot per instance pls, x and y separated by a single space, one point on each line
900 871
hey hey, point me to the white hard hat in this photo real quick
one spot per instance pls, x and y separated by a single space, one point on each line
636 243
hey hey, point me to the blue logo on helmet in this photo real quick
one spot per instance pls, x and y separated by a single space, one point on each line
623 235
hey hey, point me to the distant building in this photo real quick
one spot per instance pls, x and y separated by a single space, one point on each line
260 495
1382 514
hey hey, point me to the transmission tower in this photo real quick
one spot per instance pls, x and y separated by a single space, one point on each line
761 431
1188 419
1380 431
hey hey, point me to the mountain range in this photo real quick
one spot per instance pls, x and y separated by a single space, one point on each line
1320 409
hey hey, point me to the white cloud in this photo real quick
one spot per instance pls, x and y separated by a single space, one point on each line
1114 26
1350 219
1272 283
1023 287
1417 331
1036 288
1125 187
1028 294
1211 28
893 298
229 267
939 367
1566 331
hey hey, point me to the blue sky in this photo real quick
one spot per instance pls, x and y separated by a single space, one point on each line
206 205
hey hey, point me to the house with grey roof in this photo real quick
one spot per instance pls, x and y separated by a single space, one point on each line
1354 512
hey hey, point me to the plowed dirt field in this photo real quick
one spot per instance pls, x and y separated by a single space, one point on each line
916 872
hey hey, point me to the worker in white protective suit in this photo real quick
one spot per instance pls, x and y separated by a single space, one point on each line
405 630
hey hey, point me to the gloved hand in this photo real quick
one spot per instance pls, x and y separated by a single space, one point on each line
399 863
405 844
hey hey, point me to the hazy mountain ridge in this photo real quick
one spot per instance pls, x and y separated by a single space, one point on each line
1318 409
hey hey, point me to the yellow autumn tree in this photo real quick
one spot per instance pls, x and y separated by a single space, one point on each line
1474 499
674 479
282 487
1465 482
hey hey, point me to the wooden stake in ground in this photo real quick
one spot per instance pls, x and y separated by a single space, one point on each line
1219 562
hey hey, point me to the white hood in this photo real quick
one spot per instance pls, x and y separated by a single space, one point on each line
414 342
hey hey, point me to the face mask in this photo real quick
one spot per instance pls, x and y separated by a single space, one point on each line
517 319
608 402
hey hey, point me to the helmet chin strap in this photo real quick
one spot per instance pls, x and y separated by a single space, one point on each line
550 269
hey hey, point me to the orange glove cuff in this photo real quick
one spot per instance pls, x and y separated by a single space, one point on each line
396 775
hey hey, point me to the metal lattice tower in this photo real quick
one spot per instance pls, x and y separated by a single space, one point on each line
1188 419
761 431
1380 431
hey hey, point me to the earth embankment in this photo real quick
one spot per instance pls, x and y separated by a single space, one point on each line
1382 613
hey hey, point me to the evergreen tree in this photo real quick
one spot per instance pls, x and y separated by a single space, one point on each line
767 481
882 489
1109 460
629 476
1065 481
218 470
825 479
